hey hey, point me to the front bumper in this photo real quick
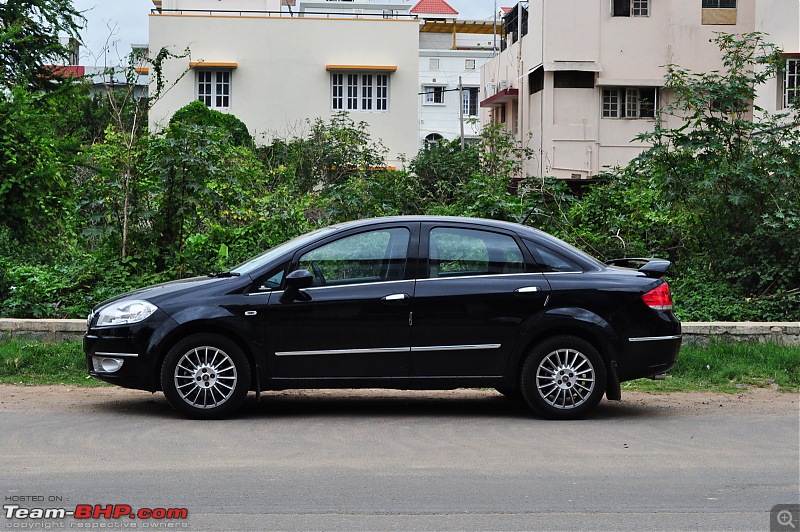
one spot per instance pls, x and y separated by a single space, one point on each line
133 346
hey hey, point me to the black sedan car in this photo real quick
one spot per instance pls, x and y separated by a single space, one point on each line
406 302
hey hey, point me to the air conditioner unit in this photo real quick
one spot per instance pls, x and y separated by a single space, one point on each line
491 89
503 85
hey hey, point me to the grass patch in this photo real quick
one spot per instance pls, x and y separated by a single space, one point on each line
36 362
722 367
719 367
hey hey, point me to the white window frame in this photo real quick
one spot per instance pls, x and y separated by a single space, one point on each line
433 94
361 91
791 81
468 95
469 64
213 87
636 8
640 8
626 103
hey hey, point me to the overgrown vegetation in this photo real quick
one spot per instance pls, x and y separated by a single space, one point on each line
92 204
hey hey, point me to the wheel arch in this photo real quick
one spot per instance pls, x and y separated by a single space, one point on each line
206 326
579 323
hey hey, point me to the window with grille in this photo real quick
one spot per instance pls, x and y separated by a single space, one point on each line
214 88
359 91
629 102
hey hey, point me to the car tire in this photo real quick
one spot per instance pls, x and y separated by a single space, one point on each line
205 376
564 377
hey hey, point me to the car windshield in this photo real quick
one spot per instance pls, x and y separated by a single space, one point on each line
257 262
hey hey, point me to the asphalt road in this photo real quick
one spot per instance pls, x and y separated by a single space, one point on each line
369 460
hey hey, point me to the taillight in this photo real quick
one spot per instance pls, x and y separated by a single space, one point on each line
659 298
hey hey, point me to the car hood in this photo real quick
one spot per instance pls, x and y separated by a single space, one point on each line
157 292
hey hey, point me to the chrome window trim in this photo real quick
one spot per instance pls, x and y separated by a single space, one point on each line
654 338
479 276
108 354
358 284
379 350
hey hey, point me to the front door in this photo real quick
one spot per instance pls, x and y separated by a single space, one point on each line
354 320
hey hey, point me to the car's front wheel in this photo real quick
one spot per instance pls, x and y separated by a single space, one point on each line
205 376
563 378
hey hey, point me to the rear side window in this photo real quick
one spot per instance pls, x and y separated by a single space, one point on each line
456 252
548 260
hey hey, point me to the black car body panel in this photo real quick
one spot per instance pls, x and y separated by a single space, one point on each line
403 302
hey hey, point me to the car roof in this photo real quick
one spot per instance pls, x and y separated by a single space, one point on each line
500 224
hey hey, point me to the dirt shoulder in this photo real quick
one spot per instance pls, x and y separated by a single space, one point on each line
73 399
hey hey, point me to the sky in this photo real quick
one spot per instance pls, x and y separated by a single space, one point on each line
120 23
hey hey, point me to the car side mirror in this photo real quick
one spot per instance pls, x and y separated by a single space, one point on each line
296 281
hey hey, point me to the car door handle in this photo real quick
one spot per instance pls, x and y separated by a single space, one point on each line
395 298
526 290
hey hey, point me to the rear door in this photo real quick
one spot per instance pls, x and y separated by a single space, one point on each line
475 294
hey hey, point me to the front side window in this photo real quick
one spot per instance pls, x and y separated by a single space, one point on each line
359 91
433 95
374 256
629 102
791 82
457 252
214 88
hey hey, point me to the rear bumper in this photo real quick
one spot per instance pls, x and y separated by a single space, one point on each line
646 356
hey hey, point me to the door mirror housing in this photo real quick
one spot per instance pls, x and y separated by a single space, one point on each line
296 281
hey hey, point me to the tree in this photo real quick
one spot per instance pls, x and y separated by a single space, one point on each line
734 168
34 174
30 41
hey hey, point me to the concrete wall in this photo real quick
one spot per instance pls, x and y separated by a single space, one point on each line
694 333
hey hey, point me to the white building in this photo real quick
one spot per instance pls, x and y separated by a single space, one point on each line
451 54
274 68
780 20
579 79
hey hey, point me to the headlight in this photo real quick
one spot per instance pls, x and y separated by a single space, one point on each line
124 313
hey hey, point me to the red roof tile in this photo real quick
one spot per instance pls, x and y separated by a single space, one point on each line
506 9
434 7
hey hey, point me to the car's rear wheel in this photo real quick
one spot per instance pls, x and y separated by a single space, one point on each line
563 378
205 376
